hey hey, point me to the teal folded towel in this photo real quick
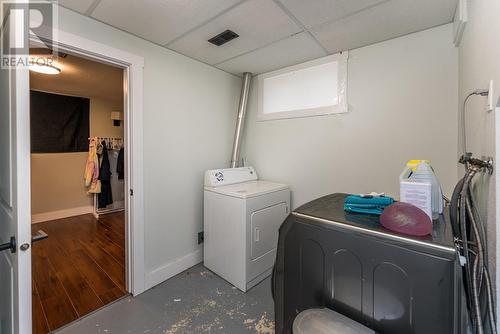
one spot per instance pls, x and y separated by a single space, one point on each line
367 205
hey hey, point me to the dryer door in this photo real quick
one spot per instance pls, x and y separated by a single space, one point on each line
265 224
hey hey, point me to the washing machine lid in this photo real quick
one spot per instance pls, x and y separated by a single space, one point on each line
248 189
329 209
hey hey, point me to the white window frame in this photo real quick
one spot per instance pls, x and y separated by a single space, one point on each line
341 107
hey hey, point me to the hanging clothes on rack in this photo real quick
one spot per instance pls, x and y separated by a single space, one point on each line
105 197
91 175
120 164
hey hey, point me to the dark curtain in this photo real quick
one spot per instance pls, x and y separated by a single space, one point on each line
59 123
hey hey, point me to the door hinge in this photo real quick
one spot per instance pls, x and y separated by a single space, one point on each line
201 237
131 192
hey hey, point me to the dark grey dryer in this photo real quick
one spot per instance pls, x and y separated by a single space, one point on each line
389 282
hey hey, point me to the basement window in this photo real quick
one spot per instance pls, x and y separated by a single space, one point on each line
314 88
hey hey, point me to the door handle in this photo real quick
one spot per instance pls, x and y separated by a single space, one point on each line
40 235
9 245
257 235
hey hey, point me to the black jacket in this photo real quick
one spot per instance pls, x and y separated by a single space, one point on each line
105 196
120 164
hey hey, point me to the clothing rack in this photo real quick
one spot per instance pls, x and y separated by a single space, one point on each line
113 144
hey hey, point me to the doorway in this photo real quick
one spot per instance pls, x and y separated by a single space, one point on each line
15 189
77 188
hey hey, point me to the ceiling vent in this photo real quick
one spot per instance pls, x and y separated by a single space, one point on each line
223 37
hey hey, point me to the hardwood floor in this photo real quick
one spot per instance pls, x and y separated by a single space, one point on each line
78 269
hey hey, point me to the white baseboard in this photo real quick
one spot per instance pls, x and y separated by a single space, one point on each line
46 216
173 268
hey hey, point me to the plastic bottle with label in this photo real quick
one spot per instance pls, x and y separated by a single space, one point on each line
425 173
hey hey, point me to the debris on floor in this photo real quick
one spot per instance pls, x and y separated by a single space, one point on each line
265 325
195 301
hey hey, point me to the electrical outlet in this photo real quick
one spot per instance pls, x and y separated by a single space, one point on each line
491 106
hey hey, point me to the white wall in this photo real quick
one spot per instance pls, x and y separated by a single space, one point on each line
101 124
479 62
402 96
189 117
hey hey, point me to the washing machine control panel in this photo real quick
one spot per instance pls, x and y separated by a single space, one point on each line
227 176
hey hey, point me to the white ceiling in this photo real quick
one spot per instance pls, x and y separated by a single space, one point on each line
81 77
273 33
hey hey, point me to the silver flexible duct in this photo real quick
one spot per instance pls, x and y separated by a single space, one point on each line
240 121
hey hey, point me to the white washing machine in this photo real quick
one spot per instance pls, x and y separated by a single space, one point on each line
242 216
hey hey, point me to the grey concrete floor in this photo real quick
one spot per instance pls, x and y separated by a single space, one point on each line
195 301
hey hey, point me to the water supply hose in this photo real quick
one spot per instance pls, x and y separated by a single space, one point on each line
454 204
470 233
465 245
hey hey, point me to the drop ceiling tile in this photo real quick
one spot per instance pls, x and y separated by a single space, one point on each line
290 51
258 22
383 22
313 13
159 21
80 6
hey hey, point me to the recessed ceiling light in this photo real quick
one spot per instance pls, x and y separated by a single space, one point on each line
45 68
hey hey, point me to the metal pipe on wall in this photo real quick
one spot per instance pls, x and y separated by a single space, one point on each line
240 121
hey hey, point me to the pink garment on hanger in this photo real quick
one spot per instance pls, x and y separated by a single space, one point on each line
91 175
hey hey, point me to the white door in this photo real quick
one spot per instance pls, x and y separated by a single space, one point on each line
265 228
15 264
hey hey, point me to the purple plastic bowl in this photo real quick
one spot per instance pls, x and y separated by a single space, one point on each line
407 219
